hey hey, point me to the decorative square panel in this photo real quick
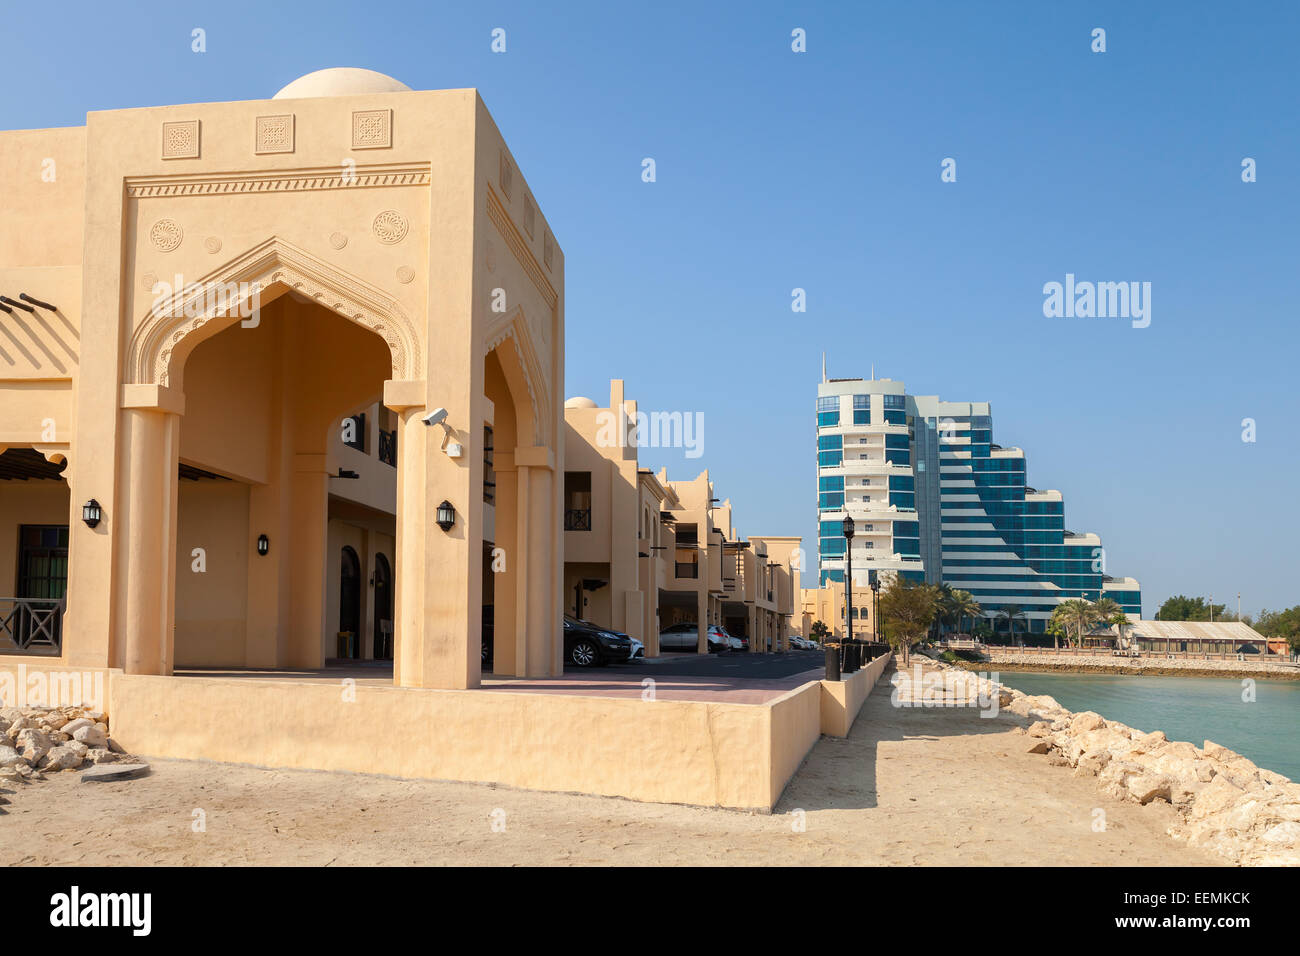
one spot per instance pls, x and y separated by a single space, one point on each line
274 134
372 129
506 174
180 140
530 216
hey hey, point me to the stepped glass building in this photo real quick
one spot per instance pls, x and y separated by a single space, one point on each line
934 499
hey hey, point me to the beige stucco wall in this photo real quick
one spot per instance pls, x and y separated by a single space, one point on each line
212 604
841 700
710 754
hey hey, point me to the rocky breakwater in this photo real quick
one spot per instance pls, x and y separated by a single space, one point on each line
39 740
1226 804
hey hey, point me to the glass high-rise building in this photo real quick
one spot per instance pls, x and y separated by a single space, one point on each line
934 499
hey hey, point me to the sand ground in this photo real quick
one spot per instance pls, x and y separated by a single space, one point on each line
908 786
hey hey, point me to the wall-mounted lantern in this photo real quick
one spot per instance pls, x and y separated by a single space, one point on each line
446 516
263 545
91 513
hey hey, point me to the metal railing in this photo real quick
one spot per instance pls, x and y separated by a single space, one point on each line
31 626
388 447
577 519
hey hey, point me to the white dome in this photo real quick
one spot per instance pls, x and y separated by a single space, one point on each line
341 81
580 401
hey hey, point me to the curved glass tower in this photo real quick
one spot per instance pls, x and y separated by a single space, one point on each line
934 499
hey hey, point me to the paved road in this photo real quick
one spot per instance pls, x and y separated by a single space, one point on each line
729 665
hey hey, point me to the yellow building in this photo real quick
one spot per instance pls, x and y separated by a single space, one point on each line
612 565
198 300
826 604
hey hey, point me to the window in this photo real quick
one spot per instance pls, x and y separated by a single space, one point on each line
577 501
828 403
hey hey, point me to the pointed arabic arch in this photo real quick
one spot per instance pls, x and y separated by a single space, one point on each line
220 295
523 371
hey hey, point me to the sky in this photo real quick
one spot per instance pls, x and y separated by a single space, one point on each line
821 170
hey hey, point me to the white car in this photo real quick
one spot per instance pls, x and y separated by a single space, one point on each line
685 637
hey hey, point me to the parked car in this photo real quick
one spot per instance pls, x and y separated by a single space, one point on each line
733 643
587 644
637 650
685 637
739 642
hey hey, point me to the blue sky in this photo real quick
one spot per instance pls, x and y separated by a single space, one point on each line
821 170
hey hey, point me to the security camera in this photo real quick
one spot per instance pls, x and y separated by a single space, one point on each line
435 417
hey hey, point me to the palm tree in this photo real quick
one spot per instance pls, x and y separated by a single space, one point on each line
964 605
1009 613
1112 615
1077 615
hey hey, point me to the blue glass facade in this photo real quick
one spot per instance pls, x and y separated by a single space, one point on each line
980 522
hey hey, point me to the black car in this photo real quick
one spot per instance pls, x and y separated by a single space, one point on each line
587 644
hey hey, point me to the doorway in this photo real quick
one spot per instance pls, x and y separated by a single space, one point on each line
383 609
349 605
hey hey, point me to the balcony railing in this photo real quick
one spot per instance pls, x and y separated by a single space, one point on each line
577 519
686 569
31 625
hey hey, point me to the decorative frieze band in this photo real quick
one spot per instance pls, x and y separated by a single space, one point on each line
295 180
497 213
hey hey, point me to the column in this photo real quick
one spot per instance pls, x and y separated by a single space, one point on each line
147 548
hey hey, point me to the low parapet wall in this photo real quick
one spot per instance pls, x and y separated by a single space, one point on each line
705 753
710 754
841 700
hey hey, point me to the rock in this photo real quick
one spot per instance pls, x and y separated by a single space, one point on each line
1040 728
1150 786
1082 723
98 755
114 771
1041 747
61 758
72 726
17 726
1216 796
10 714
1287 834
9 756
1146 743
1217 752
91 736
1093 764
54 720
33 744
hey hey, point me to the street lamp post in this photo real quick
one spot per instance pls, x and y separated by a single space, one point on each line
850 656
875 608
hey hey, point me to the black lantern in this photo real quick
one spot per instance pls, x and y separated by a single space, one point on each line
263 545
446 516
91 513
848 527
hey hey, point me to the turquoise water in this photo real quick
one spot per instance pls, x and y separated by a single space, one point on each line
1187 708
